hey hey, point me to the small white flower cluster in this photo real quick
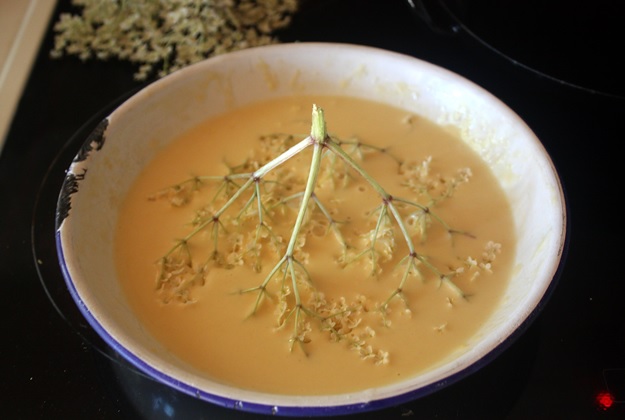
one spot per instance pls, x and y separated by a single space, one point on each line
344 322
421 180
177 276
169 34
430 189
376 246
485 264
491 251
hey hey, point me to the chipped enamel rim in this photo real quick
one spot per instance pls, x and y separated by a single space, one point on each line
124 142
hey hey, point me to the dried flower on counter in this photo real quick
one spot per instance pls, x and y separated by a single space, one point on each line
162 36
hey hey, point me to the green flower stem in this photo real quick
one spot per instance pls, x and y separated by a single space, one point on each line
388 203
319 136
262 289
264 170
331 223
427 210
318 139
252 178
386 197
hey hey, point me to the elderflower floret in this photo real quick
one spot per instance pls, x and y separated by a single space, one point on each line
176 278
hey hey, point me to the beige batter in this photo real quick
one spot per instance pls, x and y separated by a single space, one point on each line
214 330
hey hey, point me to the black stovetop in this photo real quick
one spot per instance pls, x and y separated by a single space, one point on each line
569 363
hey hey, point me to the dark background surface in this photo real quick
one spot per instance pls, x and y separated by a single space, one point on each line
572 353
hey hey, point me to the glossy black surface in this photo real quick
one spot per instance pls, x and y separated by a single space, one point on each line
579 43
53 366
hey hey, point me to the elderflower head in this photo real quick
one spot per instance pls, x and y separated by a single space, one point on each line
166 35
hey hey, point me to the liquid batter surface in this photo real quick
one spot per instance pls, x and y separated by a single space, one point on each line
365 328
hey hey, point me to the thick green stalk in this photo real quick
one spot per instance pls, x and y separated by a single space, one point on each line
318 134
336 148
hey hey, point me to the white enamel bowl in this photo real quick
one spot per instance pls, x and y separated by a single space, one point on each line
125 142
